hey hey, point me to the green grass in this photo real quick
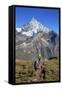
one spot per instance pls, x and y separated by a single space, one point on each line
52 70
25 71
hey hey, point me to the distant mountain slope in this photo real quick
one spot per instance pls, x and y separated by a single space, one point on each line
35 39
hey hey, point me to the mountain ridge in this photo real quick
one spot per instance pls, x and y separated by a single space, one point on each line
36 40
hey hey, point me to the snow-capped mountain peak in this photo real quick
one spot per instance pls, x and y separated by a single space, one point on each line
33 26
34 21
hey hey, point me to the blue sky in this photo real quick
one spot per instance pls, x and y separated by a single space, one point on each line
48 17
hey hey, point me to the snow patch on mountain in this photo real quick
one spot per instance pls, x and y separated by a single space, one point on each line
18 29
29 33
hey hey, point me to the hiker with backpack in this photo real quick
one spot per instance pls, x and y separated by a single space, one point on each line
39 69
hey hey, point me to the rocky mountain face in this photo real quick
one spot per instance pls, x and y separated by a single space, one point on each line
34 39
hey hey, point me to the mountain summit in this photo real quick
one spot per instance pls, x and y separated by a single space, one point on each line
33 27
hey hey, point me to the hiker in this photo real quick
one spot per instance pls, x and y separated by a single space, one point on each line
42 73
40 69
37 65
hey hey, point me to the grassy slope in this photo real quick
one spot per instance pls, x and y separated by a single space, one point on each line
25 71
